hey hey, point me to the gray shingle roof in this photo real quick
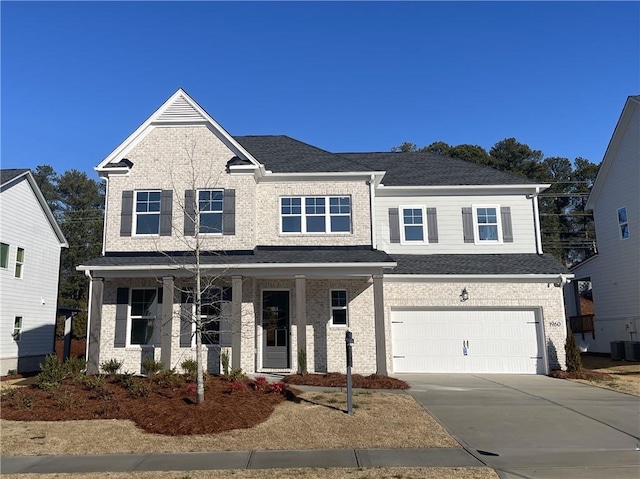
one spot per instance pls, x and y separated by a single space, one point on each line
282 154
261 255
477 264
424 168
7 175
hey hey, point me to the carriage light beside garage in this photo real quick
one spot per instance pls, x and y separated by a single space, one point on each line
464 295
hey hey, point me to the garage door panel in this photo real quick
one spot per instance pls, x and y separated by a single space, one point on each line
499 341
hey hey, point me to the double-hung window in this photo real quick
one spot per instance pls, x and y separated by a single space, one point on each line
19 271
147 212
144 309
623 223
210 207
487 224
413 224
17 328
339 307
4 255
315 214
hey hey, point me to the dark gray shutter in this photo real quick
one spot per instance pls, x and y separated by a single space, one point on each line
507 228
157 324
394 225
229 212
467 224
166 211
432 225
126 213
189 213
122 312
185 319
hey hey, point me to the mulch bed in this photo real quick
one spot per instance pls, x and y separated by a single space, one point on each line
151 403
374 381
583 374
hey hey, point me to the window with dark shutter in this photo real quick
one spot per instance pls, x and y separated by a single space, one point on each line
122 311
394 225
467 224
126 213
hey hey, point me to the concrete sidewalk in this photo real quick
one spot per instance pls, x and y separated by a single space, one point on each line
193 461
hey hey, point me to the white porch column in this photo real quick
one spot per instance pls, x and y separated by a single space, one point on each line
301 319
166 332
95 325
378 305
236 321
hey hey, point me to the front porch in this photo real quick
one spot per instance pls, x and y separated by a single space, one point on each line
268 318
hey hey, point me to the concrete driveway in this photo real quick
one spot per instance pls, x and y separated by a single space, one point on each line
536 426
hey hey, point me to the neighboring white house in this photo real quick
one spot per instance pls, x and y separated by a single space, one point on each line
434 264
30 244
614 272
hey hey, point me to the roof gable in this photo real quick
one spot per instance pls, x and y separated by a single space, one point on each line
629 109
179 110
9 177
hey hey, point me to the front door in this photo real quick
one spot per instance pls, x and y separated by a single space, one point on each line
275 329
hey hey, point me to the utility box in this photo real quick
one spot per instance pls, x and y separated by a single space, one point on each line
632 350
617 350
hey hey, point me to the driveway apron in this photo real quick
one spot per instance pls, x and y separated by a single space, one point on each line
536 426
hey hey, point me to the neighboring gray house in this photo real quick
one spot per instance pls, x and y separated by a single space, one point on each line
435 264
614 272
30 245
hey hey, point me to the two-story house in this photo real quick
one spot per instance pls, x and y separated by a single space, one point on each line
30 247
434 264
614 272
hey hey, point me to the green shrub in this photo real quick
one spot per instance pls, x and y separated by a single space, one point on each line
169 379
12 373
64 399
75 367
237 374
574 361
151 366
112 366
52 373
190 367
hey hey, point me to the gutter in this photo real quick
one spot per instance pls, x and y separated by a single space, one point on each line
536 214
372 206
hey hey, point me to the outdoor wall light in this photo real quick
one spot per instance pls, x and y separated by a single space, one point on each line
464 295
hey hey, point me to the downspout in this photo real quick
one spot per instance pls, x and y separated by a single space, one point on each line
536 214
87 273
372 214
104 221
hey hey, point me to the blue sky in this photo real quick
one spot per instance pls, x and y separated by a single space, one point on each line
79 77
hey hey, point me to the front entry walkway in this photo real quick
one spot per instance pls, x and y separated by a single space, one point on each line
535 426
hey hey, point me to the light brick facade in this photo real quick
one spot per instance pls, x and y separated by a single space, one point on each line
171 153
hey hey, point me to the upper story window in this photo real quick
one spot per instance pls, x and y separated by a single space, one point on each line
19 271
210 207
315 214
339 307
487 224
147 212
623 223
4 255
412 226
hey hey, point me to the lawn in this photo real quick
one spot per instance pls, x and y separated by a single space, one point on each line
127 414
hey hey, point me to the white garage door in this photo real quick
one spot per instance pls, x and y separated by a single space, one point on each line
467 341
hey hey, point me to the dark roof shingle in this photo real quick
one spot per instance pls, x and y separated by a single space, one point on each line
477 264
7 175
